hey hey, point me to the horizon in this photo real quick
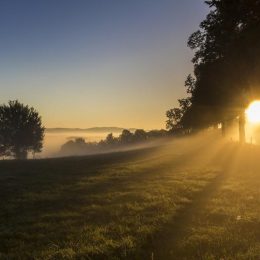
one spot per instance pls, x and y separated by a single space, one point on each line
97 127
80 64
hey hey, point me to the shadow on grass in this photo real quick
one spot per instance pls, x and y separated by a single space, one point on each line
165 243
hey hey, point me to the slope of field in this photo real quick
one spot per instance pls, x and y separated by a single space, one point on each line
196 198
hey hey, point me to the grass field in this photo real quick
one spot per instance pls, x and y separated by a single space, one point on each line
196 198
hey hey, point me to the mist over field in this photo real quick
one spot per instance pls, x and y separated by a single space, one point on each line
53 140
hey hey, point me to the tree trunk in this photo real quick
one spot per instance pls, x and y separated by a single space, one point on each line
223 128
20 154
242 132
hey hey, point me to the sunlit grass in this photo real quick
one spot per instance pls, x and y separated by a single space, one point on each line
227 226
175 201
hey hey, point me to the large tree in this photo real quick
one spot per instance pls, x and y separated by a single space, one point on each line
226 64
21 130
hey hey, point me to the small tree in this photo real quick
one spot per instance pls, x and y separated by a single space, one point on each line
110 140
126 137
21 130
140 135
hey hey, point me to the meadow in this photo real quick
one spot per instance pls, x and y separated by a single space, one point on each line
192 198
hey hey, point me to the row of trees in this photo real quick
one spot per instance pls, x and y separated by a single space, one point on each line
79 146
226 68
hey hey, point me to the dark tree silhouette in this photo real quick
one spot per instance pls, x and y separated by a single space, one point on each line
21 130
110 140
140 135
78 146
126 137
153 134
174 116
226 65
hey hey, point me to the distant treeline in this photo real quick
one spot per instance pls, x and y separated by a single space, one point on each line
88 130
79 146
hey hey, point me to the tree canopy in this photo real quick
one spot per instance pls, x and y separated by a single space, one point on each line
226 65
21 130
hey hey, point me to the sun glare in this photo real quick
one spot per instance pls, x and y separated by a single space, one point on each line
253 112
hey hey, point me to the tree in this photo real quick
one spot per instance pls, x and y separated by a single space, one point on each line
221 78
153 134
140 135
174 116
126 137
226 65
78 146
21 130
110 140
175 121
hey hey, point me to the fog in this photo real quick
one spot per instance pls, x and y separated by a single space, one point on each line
53 141
77 142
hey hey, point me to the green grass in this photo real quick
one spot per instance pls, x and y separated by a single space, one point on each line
191 199
227 224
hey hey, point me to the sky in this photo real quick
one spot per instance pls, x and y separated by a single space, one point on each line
86 63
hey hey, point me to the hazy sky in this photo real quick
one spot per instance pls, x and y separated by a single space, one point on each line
84 63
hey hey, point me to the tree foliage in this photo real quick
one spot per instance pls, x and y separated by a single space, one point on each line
21 130
226 64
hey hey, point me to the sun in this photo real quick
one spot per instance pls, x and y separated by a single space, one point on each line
253 112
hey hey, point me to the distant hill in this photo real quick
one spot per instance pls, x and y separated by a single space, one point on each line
89 130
